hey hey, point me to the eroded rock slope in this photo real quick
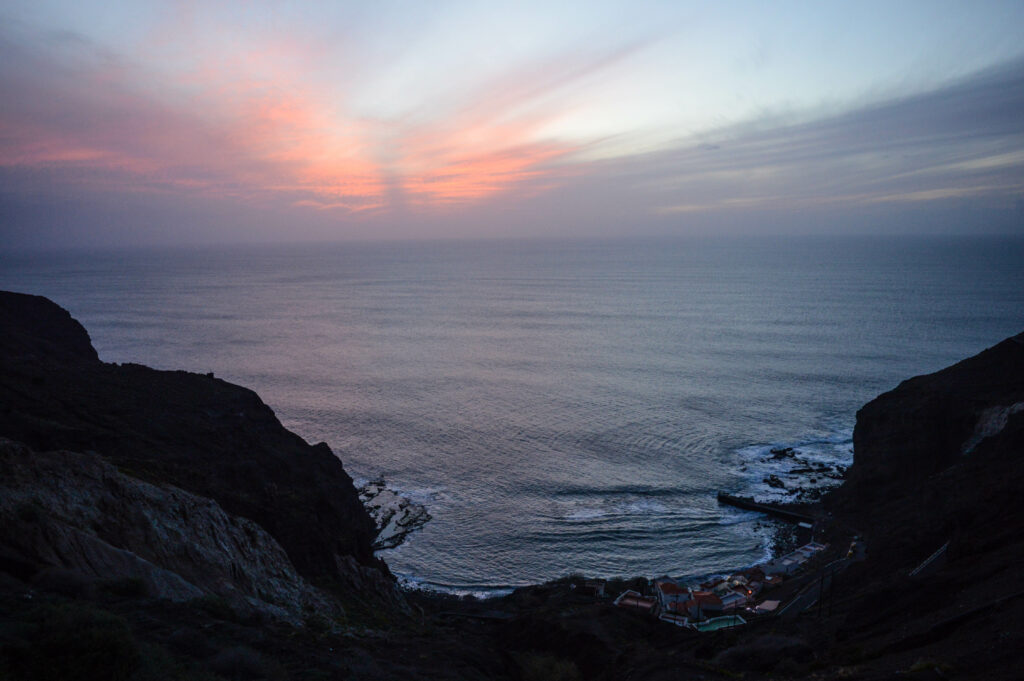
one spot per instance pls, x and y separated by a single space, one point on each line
174 429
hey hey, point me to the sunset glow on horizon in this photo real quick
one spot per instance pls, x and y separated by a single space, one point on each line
399 120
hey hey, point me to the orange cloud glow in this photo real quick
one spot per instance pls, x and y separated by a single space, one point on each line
475 177
270 120
260 135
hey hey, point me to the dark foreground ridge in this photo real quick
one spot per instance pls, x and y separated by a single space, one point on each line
164 525
197 433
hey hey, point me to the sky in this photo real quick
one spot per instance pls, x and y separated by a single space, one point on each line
127 122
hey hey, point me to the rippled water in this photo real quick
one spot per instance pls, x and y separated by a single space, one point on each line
559 406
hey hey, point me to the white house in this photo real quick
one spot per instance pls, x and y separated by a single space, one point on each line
732 600
668 592
791 562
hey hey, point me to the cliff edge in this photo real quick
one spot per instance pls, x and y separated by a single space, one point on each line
168 493
193 432
941 458
929 423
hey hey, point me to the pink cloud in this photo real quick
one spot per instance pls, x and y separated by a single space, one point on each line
249 123
242 139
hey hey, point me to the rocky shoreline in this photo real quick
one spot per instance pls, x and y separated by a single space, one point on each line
395 516
801 472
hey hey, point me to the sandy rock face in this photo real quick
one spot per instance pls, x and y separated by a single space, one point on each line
70 511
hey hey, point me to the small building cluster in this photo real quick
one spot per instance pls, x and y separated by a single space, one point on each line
714 604
634 600
792 562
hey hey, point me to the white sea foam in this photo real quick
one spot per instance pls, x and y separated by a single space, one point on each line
644 507
481 592
735 516
423 495
812 463
622 508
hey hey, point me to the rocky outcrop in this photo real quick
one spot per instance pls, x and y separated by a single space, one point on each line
395 516
37 330
190 431
77 513
939 459
189 486
928 423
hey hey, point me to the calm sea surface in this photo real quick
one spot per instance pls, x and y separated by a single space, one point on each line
558 406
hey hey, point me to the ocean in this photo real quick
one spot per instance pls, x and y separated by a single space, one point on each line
558 406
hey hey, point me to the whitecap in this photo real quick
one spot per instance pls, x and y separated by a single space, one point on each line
643 508
481 592
831 451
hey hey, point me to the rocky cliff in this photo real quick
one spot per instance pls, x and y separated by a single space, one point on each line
941 457
126 493
202 436
73 520
929 423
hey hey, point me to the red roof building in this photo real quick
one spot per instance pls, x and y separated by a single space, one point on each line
669 592
634 601
703 603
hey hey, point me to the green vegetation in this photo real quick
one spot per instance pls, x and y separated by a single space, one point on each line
216 607
72 642
927 664
129 587
29 511
241 662
545 667
317 624
76 640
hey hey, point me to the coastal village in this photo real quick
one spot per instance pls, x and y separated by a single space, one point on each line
721 602
785 584
782 585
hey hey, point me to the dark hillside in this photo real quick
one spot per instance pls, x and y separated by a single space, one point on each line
193 431
117 475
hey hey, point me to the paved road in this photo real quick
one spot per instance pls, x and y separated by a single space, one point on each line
822 584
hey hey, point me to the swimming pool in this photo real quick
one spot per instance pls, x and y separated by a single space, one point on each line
717 623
